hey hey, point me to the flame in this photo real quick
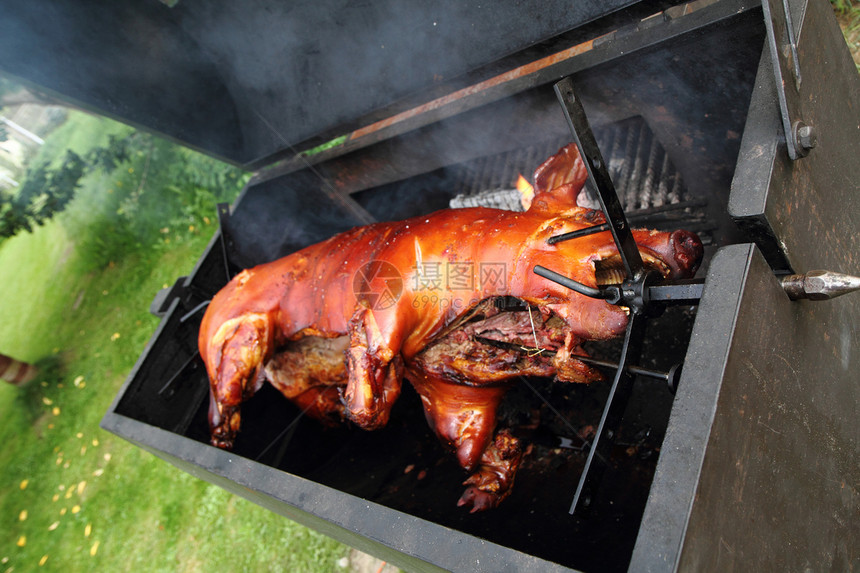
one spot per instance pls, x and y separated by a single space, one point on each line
527 192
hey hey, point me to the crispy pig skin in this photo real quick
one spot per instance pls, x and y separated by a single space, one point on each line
339 347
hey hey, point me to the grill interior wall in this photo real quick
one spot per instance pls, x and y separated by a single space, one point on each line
649 186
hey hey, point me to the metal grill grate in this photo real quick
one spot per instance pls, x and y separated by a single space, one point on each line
648 185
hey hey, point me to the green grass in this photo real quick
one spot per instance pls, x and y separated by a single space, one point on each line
93 502
848 14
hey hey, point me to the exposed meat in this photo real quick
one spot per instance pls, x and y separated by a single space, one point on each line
338 325
310 372
464 357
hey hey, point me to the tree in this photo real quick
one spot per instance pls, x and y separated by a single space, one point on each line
44 193
46 190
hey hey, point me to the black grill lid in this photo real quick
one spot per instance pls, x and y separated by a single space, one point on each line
247 80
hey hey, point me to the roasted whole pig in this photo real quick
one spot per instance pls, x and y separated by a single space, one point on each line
338 325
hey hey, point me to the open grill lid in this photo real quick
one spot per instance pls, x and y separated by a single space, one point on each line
254 81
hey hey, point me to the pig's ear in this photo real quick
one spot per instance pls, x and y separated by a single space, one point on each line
559 181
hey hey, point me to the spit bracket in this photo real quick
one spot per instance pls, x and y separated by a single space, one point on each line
636 292
598 172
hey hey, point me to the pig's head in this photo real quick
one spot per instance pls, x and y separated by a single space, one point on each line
592 260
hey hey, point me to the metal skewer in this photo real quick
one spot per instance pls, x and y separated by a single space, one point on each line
670 376
577 234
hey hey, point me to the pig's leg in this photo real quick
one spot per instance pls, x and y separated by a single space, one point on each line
464 418
235 359
374 373
492 481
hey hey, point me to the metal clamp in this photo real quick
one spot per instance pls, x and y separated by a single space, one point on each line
598 172
634 292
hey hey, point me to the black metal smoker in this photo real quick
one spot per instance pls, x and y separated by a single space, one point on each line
752 464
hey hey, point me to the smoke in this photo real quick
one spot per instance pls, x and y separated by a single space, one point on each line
312 67
206 72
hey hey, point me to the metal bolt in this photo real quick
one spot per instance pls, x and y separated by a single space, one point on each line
805 137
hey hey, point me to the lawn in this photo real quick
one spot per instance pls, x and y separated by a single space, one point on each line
76 298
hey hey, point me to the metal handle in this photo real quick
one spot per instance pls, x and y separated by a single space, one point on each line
610 420
819 285
570 283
